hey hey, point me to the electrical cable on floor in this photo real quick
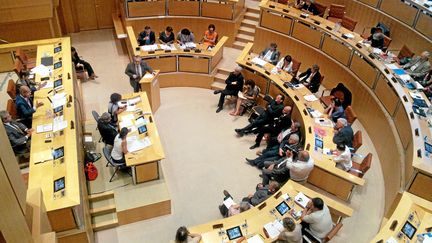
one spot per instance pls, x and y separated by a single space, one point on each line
110 189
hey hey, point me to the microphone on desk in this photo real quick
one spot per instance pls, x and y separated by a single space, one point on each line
72 125
393 225
69 101
69 76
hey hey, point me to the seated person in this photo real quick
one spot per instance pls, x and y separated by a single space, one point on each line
275 127
335 110
292 232
308 6
316 217
146 37
107 131
234 209
376 38
270 54
343 133
185 36
274 109
184 236
167 36
210 36
24 105
427 80
262 193
296 169
79 63
24 80
419 66
311 78
274 153
285 64
234 85
120 147
19 135
114 109
248 97
342 157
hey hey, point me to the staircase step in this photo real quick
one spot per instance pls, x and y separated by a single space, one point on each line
217 86
220 78
103 210
101 196
249 23
239 45
251 16
246 30
224 71
244 38
105 221
253 10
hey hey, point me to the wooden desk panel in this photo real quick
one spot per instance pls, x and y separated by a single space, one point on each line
363 70
304 33
399 10
336 50
6 62
147 172
386 95
193 64
148 8
216 10
275 22
403 126
259 80
164 64
372 3
424 25
332 184
183 8
421 186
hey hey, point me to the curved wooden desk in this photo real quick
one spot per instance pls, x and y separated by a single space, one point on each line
396 119
325 175
264 213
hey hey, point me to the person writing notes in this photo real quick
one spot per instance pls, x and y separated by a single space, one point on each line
167 36
270 54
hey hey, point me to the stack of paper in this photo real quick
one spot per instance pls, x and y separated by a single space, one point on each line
168 47
301 199
126 123
228 202
349 35
190 45
255 239
310 98
258 61
148 75
316 113
324 122
42 70
134 144
298 86
59 124
149 47
44 128
134 100
42 156
274 228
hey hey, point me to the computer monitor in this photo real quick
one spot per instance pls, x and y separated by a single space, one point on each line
57 49
59 184
142 129
428 147
282 208
319 143
58 153
234 233
58 83
58 109
409 230
57 65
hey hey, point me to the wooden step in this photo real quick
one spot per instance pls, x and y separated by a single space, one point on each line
217 86
249 23
244 38
252 16
220 78
253 10
224 71
103 210
239 45
101 196
246 31
106 221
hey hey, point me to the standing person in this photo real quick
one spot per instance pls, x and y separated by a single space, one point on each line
136 70
184 236
78 62
210 36
147 37
167 36
234 85
120 147
185 36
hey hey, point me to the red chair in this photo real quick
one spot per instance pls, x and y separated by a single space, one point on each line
361 169
357 141
336 12
348 23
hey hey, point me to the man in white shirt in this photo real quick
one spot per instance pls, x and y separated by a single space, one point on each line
271 54
316 217
18 134
343 157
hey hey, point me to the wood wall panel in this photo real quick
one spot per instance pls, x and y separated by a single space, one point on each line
368 108
421 186
275 22
306 34
424 25
336 50
217 10
185 80
26 31
372 3
183 8
364 70
86 14
403 126
386 95
104 10
141 9
399 10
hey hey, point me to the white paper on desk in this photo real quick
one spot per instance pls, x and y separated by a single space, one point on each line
392 66
324 122
167 47
149 47
255 239
190 45
228 202
135 144
48 85
128 117
418 85
273 228
405 77
415 95
140 121
126 123
41 70
42 156
274 70
301 199
44 128
349 35
59 125
131 108
258 61
298 86
310 98
148 75
391 240
134 100
58 102
326 151
316 114
377 51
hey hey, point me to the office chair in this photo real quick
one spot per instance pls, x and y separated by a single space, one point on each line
107 153
350 115
27 62
295 67
348 23
336 12
361 169
357 141
321 9
11 89
308 237
96 117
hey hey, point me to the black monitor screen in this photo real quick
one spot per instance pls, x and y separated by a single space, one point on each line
58 109
58 153
428 147
57 65
58 83
409 230
59 184
142 129
57 49
234 233
282 208
319 143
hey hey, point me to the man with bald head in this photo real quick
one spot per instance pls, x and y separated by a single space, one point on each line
419 66
234 85
136 70
24 105
18 134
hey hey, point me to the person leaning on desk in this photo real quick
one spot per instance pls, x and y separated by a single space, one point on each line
167 36
185 36
24 105
18 134
419 66
136 70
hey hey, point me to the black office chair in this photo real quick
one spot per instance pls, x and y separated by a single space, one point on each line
107 153
96 117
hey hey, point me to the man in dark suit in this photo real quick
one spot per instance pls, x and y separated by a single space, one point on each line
271 54
343 133
107 131
24 105
234 84
311 78
136 70
262 193
18 134
147 37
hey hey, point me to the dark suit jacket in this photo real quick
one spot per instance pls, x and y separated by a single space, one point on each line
314 83
130 70
282 122
108 132
260 195
23 109
16 137
274 58
344 136
311 8
234 78
144 34
274 109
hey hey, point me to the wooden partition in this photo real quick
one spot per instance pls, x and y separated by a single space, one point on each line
183 8
146 8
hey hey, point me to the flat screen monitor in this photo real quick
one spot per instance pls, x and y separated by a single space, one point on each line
428 147
57 49
47 61
58 109
58 83
57 65
234 233
142 129
282 208
59 184
409 230
58 153
319 143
